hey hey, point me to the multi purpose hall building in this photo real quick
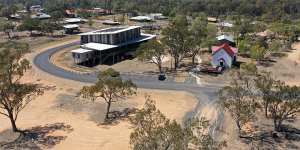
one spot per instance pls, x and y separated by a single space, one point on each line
108 44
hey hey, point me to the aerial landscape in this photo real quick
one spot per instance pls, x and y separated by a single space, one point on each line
150 74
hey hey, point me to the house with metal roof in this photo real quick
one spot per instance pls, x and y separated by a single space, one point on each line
71 28
108 44
141 19
40 16
224 55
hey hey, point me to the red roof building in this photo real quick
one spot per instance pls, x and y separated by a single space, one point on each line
224 55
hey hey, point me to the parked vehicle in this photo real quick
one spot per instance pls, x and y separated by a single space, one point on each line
162 77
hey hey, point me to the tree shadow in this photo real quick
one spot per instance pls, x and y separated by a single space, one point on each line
116 116
278 54
268 62
39 137
271 140
94 110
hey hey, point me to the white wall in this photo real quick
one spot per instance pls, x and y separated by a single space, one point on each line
222 54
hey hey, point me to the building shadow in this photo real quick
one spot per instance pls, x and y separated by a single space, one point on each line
39 137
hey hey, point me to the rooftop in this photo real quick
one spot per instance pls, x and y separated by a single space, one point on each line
226 24
81 51
98 46
110 22
71 26
141 18
74 20
225 37
104 47
112 30
230 50
40 16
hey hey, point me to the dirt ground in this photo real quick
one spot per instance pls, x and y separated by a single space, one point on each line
287 68
64 60
59 120
62 121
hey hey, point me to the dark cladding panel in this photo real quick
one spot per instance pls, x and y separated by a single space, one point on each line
84 39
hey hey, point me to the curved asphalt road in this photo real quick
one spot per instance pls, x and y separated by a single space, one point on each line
205 94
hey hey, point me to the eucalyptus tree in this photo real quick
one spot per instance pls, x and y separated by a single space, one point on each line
284 105
14 94
177 39
110 88
199 35
152 51
7 27
238 98
153 130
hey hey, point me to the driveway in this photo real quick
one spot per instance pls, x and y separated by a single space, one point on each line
205 94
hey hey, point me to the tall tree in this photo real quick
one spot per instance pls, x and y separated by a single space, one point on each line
152 130
9 10
242 26
110 87
48 27
258 52
6 27
177 38
266 84
284 105
199 35
238 98
14 95
152 51
30 25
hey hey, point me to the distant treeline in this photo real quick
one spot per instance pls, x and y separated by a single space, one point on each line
268 9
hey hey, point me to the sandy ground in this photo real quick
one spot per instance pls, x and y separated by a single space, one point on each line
287 68
64 60
71 123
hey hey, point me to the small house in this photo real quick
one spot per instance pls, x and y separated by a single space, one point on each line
71 28
225 25
212 19
40 16
158 16
141 19
111 22
36 9
15 16
74 20
224 56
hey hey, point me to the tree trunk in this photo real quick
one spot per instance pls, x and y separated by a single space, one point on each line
8 35
278 125
275 125
193 59
176 62
13 123
266 109
239 127
159 68
107 110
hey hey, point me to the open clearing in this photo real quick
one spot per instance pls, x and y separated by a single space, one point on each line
75 124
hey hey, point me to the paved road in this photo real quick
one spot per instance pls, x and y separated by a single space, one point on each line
205 94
